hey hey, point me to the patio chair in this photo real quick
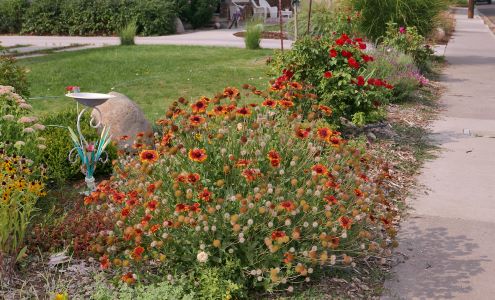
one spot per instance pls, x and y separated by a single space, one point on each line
272 9
259 10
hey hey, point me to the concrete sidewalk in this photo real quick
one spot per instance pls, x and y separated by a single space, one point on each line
222 37
448 241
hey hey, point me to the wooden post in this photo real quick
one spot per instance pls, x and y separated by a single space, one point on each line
309 16
295 22
471 9
281 25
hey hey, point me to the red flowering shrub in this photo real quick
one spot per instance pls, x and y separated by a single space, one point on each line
336 68
258 188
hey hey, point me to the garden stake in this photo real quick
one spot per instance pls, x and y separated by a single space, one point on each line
309 15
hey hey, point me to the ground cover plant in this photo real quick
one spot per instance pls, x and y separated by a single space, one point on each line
223 189
158 76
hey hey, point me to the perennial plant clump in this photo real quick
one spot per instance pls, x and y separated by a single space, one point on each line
257 188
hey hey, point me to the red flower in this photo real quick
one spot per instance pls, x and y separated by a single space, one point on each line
345 222
104 262
125 212
205 195
333 53
180 207
167 138
346 54
367 58
152 205
353 63
231 92
241 163
251 174
278 234
193 178
328 74
302 133
325 109
362 46
360 81
358 193
320 169
137 252
288 205
195 207
273 155
330 199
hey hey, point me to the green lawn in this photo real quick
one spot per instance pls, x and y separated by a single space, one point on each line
153 76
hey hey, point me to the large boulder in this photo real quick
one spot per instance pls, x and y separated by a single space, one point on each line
125 118
179 27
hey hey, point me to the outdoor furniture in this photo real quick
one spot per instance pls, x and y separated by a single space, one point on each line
259 11
273 10
286 13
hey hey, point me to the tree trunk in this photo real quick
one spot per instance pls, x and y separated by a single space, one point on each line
471 9
309 16
281 25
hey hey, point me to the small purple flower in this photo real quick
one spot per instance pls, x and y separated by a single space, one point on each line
402 30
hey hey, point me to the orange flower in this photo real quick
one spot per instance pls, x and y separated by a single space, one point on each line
231 92
167 138
325 109
345 222
320 169
196 120
193 178
124 138
244 111
200 106
205 195
219 110
251 174
128 278
334 242
197 155
149 156
296 85
286 103
104 262
288 205
335 140
152 205
288 257
195 207
269 103
241 163
155 228
324 133
275 162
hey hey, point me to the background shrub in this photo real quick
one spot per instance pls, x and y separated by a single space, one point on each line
376 13
96 17
11 15
12 74
197 12
325 19
59 144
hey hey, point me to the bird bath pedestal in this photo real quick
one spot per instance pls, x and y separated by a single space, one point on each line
89 152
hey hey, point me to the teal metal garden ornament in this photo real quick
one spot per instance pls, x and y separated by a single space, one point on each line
89 153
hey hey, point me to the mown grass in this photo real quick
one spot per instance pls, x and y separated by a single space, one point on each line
153 76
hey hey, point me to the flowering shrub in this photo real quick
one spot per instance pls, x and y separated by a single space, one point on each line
12 74
18 195
16 127
409 41
337 69
258 188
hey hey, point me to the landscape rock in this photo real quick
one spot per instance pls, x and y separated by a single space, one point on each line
125 118
179 27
